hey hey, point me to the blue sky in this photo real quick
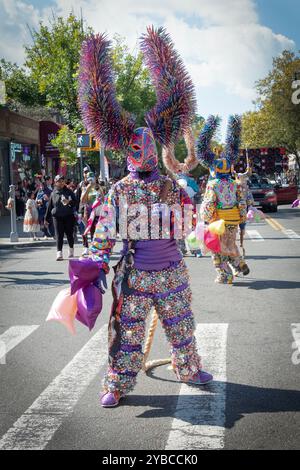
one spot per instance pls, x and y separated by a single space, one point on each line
282 16
226 44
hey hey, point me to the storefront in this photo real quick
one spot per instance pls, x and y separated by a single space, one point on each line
49 153
19 150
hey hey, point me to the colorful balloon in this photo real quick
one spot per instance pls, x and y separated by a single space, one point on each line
217 227
64 309
212 241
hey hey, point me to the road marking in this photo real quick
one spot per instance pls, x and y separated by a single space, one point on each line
255 236
291 234
36 427
272 224
199 421
12 337
295 327
277 224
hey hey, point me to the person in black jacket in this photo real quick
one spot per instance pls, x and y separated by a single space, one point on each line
61 207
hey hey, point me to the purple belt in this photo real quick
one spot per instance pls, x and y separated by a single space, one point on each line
154 255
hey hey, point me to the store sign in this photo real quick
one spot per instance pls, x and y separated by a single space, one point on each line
48 132
14 148
2 92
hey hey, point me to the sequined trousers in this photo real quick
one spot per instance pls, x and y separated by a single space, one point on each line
229 262
169 293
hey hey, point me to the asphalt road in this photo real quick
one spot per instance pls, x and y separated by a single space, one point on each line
50 380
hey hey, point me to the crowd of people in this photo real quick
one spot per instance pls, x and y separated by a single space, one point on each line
64 206
60 206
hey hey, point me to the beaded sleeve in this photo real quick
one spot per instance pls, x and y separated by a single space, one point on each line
105 233
208 209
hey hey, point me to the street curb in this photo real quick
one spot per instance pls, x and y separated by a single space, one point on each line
26 244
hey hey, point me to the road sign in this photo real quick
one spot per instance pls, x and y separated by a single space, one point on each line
83 140
87 142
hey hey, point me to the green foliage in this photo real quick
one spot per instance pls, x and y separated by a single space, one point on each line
134 88
66 142
276 122
53 62
21 87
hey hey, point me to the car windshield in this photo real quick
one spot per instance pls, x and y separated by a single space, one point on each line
260 183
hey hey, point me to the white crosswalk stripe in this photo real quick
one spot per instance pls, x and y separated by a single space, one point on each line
12 337
36 427
199 421
255 236
295 327
291 234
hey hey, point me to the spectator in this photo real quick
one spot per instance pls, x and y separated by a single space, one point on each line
42 201
61 207
31 219
20 201
48 186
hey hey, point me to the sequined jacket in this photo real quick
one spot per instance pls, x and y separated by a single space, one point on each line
222 193
123 197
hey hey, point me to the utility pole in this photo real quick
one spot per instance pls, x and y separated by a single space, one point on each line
102 166
14 237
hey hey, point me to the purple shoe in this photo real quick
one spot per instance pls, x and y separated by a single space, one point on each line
110 399
201 378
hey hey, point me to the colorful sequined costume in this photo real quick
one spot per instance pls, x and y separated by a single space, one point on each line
223 198
151 272
157 279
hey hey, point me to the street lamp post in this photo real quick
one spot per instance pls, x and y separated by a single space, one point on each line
14 237
102 166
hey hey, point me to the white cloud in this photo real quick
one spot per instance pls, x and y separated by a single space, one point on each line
222 42
15 16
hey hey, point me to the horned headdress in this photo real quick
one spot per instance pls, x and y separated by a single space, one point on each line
170 118
219 163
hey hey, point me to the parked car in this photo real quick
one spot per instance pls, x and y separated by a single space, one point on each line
264 193
286 194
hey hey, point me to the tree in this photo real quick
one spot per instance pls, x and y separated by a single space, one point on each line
21 87
277 120
134 88
66 142
53 63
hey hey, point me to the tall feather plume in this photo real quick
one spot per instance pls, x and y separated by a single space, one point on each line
102 114
233 137
204 152
175 92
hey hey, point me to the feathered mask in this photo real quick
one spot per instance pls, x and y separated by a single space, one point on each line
219 163
103 115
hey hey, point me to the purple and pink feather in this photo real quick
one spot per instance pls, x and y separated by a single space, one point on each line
174 88
102 114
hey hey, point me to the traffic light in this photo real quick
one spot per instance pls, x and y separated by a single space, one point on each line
87 142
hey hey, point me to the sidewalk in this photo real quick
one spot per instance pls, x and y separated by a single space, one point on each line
24 238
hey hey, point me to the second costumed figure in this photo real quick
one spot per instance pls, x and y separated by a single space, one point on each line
223 199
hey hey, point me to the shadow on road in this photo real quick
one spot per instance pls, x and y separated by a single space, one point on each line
33 273
8 281
241 400
271 257
264 284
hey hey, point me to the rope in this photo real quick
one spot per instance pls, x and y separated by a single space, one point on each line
149 341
